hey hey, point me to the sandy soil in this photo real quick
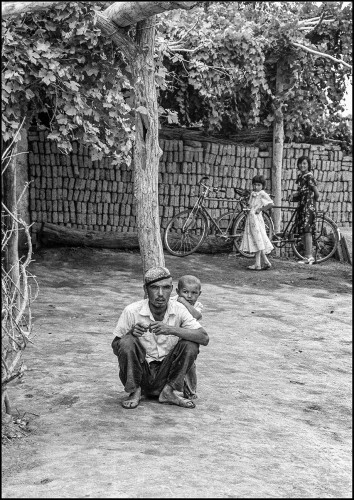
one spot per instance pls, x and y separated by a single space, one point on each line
273 417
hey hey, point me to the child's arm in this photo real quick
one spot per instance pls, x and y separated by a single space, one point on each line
264 208
196 314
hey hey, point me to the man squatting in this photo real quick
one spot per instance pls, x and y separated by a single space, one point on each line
156 341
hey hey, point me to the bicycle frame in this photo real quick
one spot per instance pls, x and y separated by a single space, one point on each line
199 206
286 235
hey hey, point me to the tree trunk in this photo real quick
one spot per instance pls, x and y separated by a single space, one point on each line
278 146
54 235
146 148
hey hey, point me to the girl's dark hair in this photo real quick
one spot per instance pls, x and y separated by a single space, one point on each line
259 179
308 162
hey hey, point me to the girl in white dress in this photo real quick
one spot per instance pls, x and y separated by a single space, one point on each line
255 237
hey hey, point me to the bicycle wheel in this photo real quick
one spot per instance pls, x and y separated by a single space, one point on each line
324 242
238 229
185 232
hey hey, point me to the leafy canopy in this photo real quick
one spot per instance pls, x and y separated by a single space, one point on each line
221 61
57 62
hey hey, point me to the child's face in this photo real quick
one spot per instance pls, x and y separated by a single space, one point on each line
303 166
190 292
257 186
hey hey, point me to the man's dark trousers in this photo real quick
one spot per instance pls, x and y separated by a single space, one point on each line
135 371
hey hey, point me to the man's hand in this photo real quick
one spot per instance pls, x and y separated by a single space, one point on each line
160 328
139 329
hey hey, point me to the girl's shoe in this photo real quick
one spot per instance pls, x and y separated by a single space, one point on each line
254 268
310 261
266 267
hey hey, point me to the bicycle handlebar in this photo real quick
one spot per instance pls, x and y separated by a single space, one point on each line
210 188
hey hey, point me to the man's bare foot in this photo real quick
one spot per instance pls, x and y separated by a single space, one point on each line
169 396
132 400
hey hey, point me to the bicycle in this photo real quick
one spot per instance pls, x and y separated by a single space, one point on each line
187 230
325 239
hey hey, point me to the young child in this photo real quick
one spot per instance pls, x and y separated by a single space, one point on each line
188 291
307 195
255 237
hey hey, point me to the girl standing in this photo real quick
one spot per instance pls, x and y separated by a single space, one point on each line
255 237
307 195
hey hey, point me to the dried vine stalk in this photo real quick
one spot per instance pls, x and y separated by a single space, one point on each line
17 297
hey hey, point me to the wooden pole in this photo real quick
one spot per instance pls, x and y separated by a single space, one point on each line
278 146
146 148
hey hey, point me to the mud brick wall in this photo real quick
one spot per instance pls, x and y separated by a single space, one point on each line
74 191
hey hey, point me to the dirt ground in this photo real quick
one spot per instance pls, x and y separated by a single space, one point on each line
273 417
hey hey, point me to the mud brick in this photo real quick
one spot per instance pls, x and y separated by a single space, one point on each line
63 159
76 170
63 217
69 171
41 148
81 196
81 172
106 197
42 194
43 205
38 173
104 186
34 146
98 196
111 175
71 184
31 161
80 162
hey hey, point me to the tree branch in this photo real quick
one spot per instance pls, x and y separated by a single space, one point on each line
127 13
17 8
128 48
322 54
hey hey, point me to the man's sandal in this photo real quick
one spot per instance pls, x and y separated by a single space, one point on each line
185 403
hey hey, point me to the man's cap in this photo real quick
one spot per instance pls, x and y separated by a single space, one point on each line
156 274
